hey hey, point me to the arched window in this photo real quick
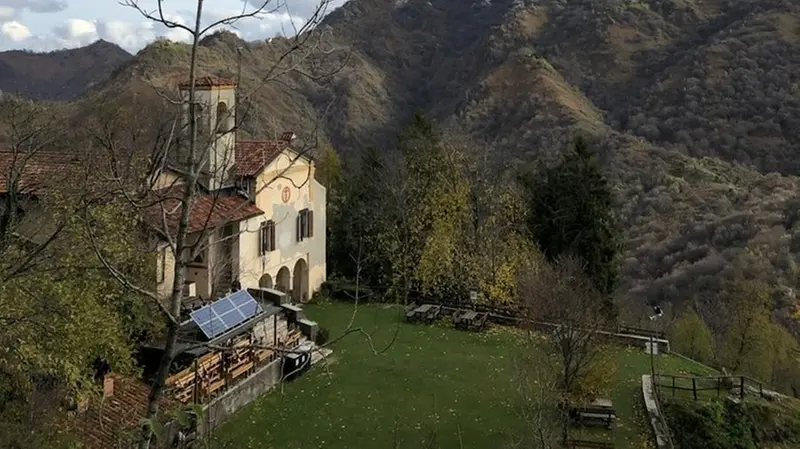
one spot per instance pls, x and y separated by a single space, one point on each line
224 118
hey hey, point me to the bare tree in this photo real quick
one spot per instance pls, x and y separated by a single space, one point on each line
537 389
561 300
27 132
187 138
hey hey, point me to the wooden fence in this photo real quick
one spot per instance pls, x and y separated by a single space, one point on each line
216 371
701 386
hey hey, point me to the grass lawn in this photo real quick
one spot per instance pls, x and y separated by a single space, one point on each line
432 380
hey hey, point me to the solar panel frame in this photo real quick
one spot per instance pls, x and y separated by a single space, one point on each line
226 313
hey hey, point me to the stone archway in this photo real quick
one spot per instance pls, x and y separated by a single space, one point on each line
283 280
300 281
265 281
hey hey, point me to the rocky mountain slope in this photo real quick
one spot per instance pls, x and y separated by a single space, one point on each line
693 104
58 75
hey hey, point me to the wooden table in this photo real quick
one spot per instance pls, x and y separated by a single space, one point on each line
423 308
602 403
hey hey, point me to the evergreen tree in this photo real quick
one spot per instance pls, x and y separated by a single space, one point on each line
571 214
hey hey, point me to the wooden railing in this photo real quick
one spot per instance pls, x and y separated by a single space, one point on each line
701 386
216 371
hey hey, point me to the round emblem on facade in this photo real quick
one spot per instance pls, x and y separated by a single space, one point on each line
286 193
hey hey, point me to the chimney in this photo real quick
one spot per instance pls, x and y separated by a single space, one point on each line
108 386
288 137
190 289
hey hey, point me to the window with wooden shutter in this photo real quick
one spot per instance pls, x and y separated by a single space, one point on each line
267 237
299 228
272 246
305 224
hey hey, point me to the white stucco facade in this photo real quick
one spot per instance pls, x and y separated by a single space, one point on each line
287 197
305 260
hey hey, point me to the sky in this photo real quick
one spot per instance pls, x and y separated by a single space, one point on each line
46 25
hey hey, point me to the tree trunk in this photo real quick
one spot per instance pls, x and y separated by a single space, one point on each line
176 296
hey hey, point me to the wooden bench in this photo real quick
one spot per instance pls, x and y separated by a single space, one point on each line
431 313
426 312
593 415
413 312
589 444
470 320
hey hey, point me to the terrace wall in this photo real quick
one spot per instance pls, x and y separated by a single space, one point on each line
240 395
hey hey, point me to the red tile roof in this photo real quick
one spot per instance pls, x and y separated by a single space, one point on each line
102 424
207 210
253 155
36 170
207 82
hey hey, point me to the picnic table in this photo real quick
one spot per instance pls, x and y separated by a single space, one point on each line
425 312
470 319
589 444
597 412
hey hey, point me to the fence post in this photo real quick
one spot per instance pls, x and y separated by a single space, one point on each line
673 386
741 387
194 383
694 388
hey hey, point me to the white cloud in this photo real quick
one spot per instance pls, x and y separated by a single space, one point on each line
74 33
39 6
84 21
125 34
7 13
14 31
297 8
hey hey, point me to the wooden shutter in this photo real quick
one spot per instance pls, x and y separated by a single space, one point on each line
299 228
261 239
310 223
271 235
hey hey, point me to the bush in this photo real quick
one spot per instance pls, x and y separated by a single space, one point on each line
345 290
323 335
725 424
714 425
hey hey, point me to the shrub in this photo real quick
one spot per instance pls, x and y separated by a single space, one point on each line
323 335
713 425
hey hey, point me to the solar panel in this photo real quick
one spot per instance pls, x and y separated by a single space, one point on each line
222 315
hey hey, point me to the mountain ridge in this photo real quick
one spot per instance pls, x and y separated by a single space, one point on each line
60 74
524 77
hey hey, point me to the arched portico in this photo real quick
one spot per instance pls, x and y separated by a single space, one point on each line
300 281
265 281
283 280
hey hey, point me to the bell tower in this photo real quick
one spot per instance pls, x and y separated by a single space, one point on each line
215 106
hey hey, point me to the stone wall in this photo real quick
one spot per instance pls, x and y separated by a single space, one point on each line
242 394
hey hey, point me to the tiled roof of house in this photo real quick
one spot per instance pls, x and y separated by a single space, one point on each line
102 424
253 155
207 210
37 170
205 82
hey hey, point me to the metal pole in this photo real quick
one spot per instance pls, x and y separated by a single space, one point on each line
652 360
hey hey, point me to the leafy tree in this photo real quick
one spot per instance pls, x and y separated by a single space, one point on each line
745 341
561 293
58 320
572 213
368 221
781 356
440 210
692 337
